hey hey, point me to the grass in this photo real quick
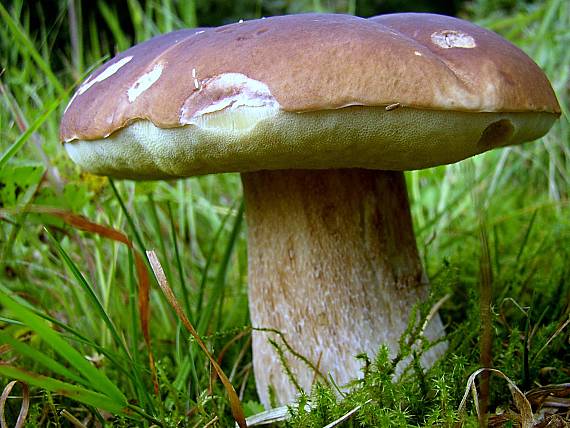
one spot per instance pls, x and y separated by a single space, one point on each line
84 322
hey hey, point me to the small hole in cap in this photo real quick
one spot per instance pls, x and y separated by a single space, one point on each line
496 134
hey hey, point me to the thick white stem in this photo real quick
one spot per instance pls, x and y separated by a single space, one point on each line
333 266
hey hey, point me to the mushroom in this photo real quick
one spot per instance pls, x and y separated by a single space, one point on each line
320 113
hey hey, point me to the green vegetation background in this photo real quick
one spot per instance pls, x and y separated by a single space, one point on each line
72 287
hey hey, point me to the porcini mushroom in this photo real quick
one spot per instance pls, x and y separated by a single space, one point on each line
321 114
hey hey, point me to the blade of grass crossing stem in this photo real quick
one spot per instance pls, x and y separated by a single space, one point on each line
89 292
216 294
39 357
28 48
189 365
132 225
222 274
188 213
183 286
209 259
158 235
97 379
235 404
185 352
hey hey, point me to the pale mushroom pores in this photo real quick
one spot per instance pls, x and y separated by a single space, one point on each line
321 114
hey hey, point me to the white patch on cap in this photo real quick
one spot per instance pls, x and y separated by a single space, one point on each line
144 82
108 72
196 81
417 53
484 99
453 39
239 90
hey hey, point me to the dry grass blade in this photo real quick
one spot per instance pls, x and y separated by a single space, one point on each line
524 418
433 312
144 309
537 396
82 223
235 403
346 416
74 421
551 338
212 422
23 409
277 414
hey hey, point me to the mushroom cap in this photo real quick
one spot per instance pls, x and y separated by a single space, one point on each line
394 92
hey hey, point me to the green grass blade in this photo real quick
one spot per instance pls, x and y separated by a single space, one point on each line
111 17
20 36
188 13
235 403
141 390
215 299
225 265
132 225
183 286
73 334
77 393
139 20
526 237
209 259
157 227
19 143
10 321
89 292
97 378
39 357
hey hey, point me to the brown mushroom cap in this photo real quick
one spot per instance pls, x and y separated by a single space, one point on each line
394 92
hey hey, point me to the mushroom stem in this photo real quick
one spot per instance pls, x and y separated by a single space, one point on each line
333 266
